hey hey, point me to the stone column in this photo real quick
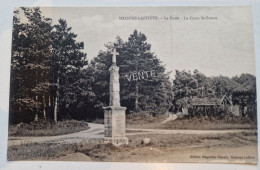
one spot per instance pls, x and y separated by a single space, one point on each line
114 87
114 114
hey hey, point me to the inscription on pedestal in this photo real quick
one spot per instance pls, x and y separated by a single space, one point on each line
119 124
114 121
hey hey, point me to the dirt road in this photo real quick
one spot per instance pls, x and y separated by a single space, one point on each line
198 132
96 132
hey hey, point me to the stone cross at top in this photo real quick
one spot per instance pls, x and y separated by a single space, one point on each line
114 56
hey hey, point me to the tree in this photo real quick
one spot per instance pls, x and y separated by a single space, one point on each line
30 63
184 85
136 56
244 94
150 94
241 89
67 60
45 70
197 84
223 85
205 85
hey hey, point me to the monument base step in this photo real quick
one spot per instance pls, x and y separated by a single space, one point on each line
116 141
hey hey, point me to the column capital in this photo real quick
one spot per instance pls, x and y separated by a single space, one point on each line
114 68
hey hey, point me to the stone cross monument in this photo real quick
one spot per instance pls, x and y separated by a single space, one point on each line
114 114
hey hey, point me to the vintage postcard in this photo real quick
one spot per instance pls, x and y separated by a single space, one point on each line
133 84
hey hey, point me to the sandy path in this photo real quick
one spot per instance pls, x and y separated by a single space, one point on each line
96 132
170 118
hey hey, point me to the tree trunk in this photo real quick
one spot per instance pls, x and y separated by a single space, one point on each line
36 116
36 98
136 91
49 101
56 102
136 96
44 105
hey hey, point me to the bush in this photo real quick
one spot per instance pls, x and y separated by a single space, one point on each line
141 116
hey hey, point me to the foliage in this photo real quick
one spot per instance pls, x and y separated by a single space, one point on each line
67 60
30 62
51 79
152 95
46 61
241 90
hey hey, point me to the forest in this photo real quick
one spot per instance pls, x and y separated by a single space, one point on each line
53 79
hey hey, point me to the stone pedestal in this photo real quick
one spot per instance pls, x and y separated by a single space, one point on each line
114 119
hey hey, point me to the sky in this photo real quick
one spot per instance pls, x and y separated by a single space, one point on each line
222 46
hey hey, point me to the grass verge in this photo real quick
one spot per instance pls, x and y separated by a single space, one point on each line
46 128
196 123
